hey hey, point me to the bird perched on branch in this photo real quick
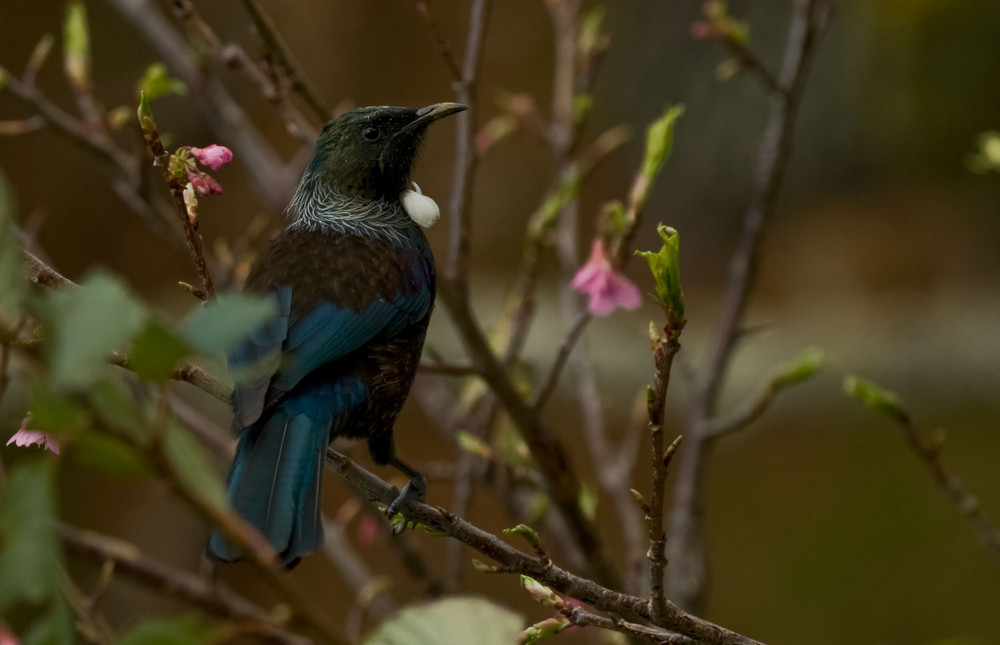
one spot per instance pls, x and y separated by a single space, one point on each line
352 276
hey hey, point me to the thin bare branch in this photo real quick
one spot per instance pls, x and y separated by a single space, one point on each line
687 576
511 560
466 157
440 42
548 387
195 590
283 56
665 347
274 181
968 505
562 483
579 616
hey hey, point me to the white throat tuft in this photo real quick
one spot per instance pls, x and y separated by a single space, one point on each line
422 209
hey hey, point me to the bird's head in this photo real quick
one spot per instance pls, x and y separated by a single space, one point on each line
367 153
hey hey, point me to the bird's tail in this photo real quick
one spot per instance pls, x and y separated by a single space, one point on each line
275 484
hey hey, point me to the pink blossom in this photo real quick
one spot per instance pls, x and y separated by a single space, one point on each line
214 156
606 287
203 183
24 437
7 637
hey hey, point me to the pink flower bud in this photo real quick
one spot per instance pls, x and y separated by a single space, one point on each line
607 288
203 184
214 156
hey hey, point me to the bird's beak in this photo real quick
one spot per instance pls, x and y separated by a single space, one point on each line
431 113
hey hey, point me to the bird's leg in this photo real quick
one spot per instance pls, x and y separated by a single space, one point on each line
413 491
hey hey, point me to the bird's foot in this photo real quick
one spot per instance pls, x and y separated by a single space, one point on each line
412 492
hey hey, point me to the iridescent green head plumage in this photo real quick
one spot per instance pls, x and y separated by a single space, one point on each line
367 153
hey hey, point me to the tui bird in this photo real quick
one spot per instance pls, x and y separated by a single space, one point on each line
352 276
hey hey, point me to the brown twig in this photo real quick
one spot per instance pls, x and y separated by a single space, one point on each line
687 577
579 616
283 56
117 164
749 61
466 158
440 42
548 452
195 590
510 559
548 386
967 504
185 212
235 57
89 623
447 369
665 347
274 181
355 571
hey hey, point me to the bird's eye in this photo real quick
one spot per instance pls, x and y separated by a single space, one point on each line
369 132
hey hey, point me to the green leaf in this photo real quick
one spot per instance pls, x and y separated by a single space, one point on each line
31 558
881 400
111 455
85 325
55 413
155 353
189 629
13 281
76 45
452 621
54 628
659 144
156 83
221 325
665 265
192 464
120 411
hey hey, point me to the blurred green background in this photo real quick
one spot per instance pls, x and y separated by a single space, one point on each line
823 528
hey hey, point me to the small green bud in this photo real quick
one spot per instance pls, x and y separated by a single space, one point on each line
987 157
76 45
875 397
590 32
145 114
727 69
539 592
613 220
581 107
482 567
799 369
529 534
473 445
156 83
588 502
40 53
542 630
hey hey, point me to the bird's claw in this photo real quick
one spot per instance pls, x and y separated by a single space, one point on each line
413 491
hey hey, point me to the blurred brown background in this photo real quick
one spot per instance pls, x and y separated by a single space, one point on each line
823 527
